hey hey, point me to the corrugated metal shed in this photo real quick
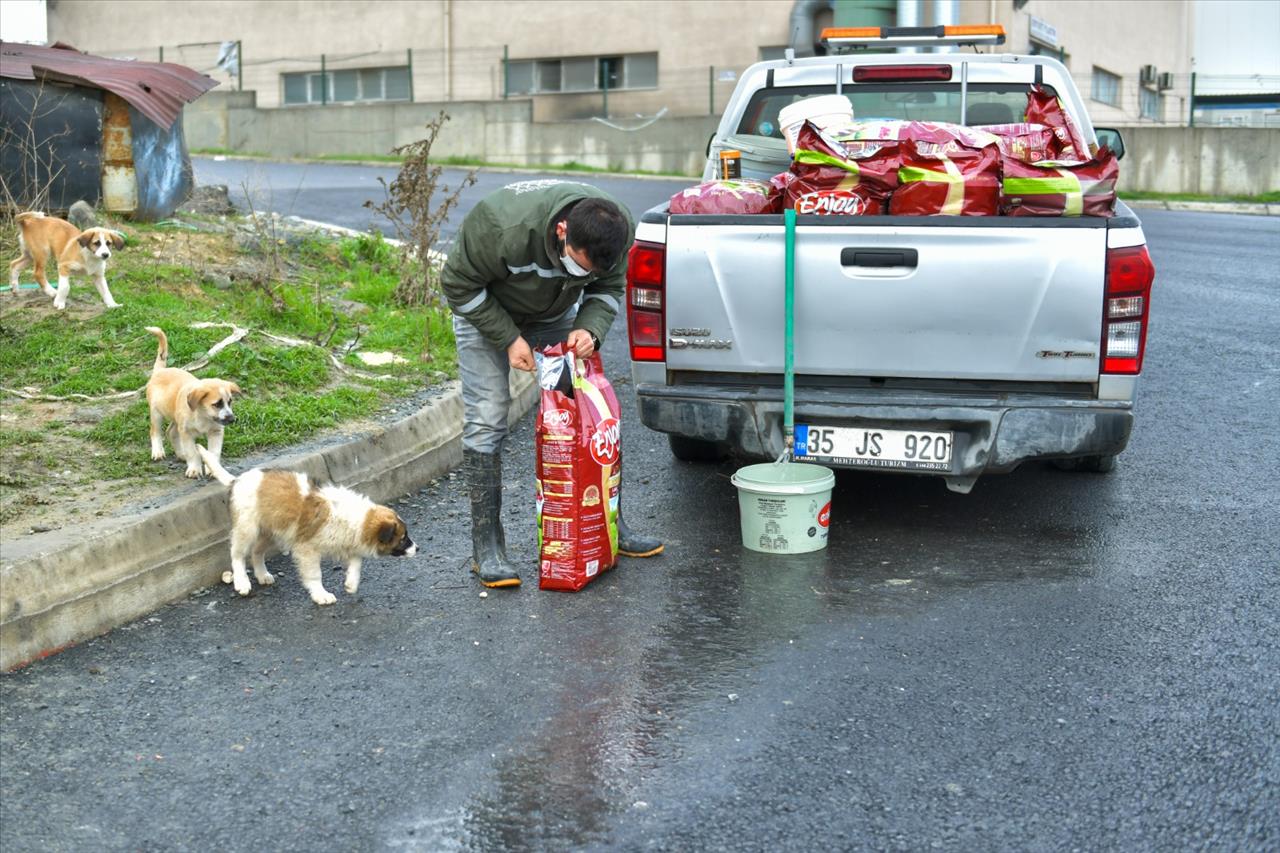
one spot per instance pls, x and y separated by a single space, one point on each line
158 90
76 126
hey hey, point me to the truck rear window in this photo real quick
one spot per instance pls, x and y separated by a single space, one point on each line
988 103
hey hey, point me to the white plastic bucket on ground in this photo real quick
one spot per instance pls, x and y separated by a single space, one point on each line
823 110
785 507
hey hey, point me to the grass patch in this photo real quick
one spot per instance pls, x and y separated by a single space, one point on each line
338 297
1272 197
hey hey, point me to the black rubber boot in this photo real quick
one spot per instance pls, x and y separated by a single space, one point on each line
488 544
632 544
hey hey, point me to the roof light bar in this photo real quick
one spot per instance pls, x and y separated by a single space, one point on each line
889 37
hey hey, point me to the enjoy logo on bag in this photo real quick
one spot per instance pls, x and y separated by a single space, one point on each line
832 202
604 442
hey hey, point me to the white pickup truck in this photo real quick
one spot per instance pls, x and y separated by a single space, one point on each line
950 346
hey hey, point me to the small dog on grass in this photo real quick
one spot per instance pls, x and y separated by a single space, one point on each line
193 407
75 251
307 520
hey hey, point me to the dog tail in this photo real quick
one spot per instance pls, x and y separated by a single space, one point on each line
30 214
222 475
162 351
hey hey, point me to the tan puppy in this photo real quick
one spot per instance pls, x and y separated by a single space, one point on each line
75 251
307 520
193 407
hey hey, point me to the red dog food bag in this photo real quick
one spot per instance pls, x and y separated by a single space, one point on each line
1046 109
579 469
728 196
947 179
1030 143
1060 188
841 175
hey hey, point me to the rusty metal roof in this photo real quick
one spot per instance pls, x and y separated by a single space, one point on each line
158 90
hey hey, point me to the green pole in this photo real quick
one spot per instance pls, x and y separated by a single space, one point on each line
324 83
409 56
239 66
504 72
789 310
711 90
162 53
1192 117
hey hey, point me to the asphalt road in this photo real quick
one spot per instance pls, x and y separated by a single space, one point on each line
1055 661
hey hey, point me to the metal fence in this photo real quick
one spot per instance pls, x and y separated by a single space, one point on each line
480 74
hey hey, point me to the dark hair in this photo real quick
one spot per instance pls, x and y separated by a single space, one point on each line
597 227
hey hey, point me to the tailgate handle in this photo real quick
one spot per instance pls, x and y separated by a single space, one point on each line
878 257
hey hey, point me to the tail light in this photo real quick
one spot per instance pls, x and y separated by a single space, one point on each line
1124 316
900 73
646 315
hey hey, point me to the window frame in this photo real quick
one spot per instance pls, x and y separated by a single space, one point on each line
622 65
315 97
1102 74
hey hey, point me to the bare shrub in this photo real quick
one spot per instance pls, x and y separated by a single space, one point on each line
32 168
412 208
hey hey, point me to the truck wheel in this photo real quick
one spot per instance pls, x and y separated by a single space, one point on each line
1088 464
696 450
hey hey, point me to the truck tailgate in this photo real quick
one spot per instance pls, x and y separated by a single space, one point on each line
888 300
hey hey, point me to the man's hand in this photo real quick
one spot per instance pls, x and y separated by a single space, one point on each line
520 355
581 342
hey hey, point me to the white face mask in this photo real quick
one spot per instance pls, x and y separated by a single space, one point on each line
571 266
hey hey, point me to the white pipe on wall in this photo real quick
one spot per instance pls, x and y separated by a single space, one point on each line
944 15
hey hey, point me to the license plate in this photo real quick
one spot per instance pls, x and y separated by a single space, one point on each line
872 447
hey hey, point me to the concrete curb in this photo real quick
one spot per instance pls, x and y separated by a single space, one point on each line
62 587
1254 208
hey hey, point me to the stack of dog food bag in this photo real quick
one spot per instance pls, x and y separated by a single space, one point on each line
1039 167
579 467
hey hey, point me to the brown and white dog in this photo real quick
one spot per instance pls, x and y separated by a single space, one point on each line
307 520
75 251
193 407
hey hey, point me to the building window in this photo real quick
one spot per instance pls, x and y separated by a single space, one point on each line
1106 87
347 86
1150 104
582 74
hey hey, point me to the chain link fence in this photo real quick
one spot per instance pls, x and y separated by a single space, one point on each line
637 87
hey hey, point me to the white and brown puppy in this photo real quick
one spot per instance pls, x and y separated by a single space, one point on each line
74 251
309 521
193 407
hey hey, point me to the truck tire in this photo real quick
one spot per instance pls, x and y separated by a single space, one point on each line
696 450
1087 464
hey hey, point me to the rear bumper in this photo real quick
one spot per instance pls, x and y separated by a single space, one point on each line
992 434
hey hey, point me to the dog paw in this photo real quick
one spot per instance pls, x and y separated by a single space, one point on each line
266 578
157 455
193 473
242 585
351 586
324 597
113 305
61 306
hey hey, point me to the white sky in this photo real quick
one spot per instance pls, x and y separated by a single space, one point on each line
1237 37
23 20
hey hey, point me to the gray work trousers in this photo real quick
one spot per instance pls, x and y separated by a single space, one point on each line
486 376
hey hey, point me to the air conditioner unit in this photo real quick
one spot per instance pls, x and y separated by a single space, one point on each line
1147 75
1166 81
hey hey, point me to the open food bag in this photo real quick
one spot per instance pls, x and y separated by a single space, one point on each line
1030 143
579 469
1044 108
728 196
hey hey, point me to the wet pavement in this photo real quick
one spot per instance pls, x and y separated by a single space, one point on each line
1055 661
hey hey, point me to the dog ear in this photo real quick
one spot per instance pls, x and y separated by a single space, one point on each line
85 239
194 397
388 532
234 388
117 240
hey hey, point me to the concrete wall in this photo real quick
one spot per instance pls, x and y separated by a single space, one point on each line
496 131
1211 160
